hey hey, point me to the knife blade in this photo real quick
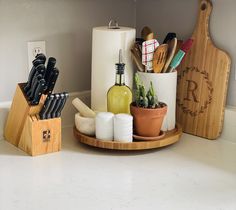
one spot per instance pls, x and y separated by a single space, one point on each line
50 66
38 92
41 57
52 80
44 110
62 104
35 62
52 105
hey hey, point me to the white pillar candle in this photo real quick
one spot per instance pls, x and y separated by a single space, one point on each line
104 126
123 128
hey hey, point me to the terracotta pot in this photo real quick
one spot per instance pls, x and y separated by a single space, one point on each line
148 122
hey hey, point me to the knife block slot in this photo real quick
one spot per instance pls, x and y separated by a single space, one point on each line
40 136
18 118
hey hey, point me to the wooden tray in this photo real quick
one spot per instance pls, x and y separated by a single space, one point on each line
171 137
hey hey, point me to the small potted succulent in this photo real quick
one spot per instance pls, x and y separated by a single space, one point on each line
148 113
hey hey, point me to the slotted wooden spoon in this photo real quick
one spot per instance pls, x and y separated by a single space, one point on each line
159 58
172 44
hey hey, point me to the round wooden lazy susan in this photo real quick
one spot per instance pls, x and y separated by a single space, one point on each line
170 137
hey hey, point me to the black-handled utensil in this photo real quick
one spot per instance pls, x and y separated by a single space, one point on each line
45 109
40 70
52 80
52 105
38 92
50 66
41 57
57 105
36 63
62 104
34 86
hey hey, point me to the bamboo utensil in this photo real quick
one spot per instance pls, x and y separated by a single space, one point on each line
172 44
147 33
159 58
137 57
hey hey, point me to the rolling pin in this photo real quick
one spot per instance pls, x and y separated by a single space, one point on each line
84 110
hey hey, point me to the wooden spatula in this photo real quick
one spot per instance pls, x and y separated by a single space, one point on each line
171 52
159 58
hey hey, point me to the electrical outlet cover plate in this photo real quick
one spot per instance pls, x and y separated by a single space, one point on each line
35 48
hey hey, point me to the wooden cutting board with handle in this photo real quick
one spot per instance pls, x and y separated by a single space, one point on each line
203 82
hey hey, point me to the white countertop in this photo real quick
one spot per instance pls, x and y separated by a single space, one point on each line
194 174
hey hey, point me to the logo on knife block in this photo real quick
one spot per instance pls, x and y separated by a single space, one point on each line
196 91
46 135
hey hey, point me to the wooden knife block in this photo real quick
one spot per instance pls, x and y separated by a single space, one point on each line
25 130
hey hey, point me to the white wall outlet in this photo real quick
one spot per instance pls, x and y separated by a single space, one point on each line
35 48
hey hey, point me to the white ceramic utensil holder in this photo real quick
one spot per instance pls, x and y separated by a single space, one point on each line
165 85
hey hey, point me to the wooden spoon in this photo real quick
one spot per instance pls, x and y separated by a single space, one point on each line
159 58
172 44
137 57
147 33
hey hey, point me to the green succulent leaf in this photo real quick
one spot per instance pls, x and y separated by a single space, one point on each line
143 98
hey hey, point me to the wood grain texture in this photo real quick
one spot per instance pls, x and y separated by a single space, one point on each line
17 115
172 45
171 137
159 58
41 136
25 130
203 82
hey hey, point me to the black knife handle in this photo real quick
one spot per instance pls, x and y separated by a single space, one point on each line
44 110
58 105
58 113
41 57
50 66
52 81
40 70
33 88
52 105
38 92
36 62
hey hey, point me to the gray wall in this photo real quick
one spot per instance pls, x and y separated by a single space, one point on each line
180 16
65 25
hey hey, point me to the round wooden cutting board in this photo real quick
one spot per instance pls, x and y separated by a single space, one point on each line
203 82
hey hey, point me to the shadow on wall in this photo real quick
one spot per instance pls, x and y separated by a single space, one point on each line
4 109
73 60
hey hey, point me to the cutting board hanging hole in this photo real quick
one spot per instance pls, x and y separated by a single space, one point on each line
204 6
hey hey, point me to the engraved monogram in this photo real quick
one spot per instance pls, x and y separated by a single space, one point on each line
192 91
